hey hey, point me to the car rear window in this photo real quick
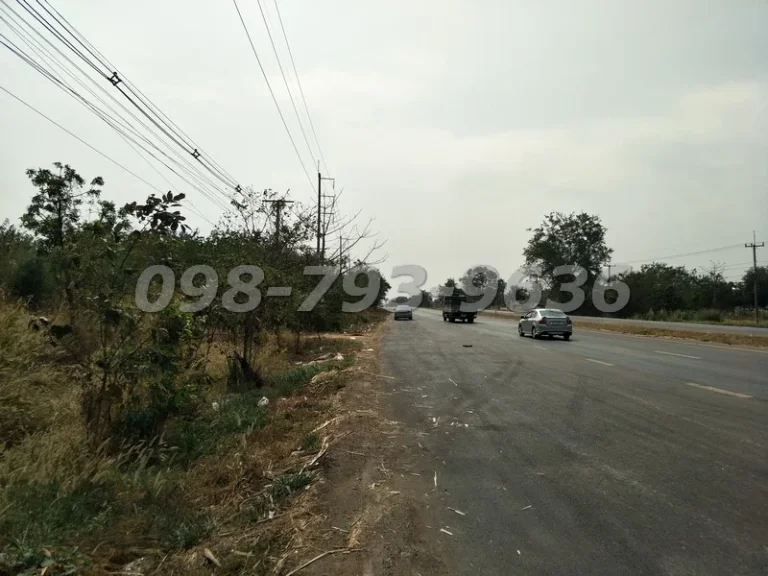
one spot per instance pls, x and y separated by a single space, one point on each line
553 313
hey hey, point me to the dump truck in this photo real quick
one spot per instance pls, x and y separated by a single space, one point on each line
456 307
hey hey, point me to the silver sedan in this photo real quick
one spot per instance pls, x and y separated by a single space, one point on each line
403 311
545 321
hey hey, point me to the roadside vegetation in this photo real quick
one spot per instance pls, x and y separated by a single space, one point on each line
131 439
657 290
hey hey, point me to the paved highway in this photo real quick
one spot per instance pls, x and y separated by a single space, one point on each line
607 454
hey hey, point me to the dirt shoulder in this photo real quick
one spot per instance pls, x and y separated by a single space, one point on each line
729 339
369 509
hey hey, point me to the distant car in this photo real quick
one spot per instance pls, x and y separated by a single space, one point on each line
545 321
403 312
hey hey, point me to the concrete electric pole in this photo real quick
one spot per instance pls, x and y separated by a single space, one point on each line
754 247
320 179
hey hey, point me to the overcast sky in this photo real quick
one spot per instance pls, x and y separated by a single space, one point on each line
455 124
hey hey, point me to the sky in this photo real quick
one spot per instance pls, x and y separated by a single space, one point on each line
454 125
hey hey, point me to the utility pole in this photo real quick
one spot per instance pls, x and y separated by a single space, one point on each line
341 253
279 205
754 247
326 222
320 179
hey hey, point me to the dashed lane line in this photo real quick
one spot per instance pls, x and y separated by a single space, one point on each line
679 355
720 390
598 362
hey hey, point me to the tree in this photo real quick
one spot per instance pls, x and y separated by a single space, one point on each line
748 283
424 302
501 289
481 284
479 279
567 240
658 286
54 215
54 212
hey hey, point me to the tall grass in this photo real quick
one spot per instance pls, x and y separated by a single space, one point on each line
59 492
31 381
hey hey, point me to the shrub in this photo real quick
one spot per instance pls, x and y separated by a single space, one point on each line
34 281
710 315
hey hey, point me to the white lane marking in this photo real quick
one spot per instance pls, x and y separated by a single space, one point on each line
680 355
539 347
598 362
720 391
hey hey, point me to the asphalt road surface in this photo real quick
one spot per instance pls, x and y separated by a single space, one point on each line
608 454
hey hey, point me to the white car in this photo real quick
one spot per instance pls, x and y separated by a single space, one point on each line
403 311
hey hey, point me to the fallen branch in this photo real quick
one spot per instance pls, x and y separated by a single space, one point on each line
324 424
379 375
320 454
320 556
355 453
211 558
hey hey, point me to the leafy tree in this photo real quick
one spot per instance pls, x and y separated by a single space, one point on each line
54 212
748 283
658 286
480 284
520 295
567 240
573 239
479 279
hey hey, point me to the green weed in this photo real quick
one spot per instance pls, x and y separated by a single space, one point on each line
44 514
310 442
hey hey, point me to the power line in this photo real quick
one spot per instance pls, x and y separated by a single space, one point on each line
138 94
116 81
744 264
226 179
132 88
301 89
99 152
109 120
272 93
191 205
720 249
285 80
184 165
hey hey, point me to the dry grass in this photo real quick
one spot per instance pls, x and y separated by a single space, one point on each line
651 331
33 385
221 479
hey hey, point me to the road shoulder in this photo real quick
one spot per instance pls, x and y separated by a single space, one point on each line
371 507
